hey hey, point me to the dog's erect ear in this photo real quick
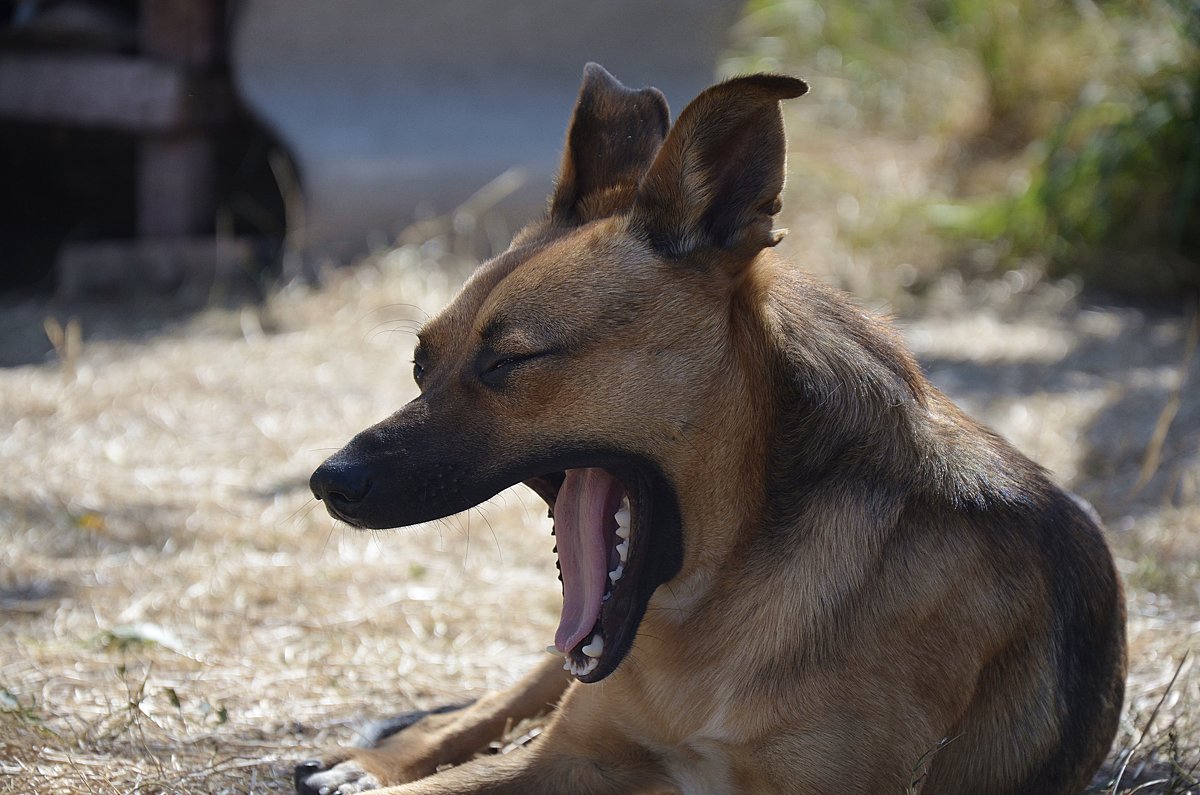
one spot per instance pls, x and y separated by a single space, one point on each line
716 180
614 136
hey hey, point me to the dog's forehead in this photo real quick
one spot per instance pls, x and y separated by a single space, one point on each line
586 269
458 316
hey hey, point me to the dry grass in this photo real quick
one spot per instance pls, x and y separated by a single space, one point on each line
179 616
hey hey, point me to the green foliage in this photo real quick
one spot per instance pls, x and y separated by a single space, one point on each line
868 58
1123 177
1096 104
11 704
1114 192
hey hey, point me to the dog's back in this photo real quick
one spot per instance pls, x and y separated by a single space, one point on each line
947 559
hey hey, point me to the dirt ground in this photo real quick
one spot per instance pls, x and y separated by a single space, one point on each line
178 615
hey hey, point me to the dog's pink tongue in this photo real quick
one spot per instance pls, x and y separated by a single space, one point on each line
580 513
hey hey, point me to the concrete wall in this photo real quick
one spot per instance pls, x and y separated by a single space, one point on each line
394 108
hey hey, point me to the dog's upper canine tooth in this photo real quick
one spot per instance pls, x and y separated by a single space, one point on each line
595 648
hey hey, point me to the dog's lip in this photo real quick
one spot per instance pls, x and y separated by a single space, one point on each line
546 486
331 505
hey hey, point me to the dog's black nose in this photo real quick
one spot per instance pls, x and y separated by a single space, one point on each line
340 485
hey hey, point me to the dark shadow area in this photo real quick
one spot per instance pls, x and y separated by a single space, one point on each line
65 185
1136 370
60 530
130 165
1159 767
27 319
22 596
60 184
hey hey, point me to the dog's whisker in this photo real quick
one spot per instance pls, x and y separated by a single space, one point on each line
333 525
302 512
466 517
495 538
392 326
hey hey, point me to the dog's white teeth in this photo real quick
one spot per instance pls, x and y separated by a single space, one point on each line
568 666
595 648
622 532
554 650
623 551
583 669
616 573
622 517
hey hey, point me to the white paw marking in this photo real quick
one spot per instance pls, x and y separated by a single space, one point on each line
344 779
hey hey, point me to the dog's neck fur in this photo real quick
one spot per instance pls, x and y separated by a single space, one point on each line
858 420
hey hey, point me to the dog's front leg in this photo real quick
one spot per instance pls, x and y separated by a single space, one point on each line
557 763
419 747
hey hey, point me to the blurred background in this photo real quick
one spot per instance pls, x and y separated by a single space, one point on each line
209 137
220 223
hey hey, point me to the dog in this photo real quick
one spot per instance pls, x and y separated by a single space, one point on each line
789 564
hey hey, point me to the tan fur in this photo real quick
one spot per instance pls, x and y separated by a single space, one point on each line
874 593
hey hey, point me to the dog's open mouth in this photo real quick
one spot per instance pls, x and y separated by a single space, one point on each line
616 519
601 524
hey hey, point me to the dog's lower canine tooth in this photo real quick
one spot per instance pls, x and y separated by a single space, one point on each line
595 648
554 650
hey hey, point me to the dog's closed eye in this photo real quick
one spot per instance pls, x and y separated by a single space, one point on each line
495 369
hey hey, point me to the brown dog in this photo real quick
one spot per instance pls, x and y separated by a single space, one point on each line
789 564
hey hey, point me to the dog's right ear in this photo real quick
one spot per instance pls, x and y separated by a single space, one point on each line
614 136
716 182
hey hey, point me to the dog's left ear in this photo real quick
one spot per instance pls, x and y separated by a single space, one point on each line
614 135
717 179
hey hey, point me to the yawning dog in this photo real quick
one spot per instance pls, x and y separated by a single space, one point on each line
789 564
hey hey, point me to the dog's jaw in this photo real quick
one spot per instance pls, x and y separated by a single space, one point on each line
638 534
583 513
591 511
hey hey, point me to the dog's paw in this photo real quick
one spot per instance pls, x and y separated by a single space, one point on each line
378 731
345 778
392 751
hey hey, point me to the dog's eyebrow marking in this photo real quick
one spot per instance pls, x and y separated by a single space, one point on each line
493 328
422 350
522 331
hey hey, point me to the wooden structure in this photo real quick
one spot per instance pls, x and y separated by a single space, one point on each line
391 110
172 94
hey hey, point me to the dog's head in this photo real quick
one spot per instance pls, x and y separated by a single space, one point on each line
587 360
